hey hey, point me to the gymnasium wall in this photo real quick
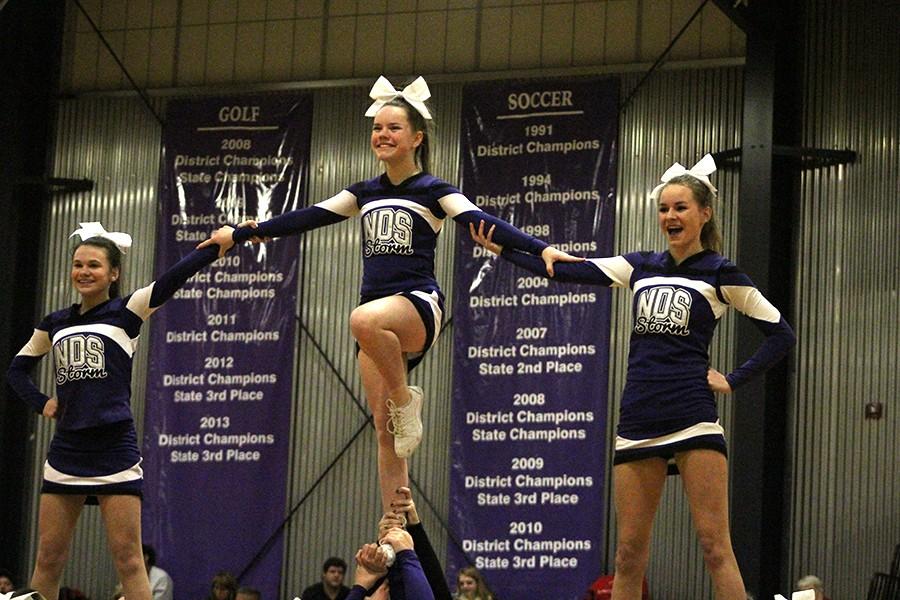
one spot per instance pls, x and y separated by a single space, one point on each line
845 501
845 493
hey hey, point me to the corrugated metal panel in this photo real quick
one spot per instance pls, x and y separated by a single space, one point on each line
676 116
114 142
845 517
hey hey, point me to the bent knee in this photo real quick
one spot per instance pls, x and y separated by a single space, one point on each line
363 323
127 562
631 556
717 551
51 558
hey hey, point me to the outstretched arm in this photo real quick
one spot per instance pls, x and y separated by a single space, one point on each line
335 209
146 300
614 271
461 210
549 254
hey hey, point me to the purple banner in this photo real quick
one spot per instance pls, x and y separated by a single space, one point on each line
217 420
531 357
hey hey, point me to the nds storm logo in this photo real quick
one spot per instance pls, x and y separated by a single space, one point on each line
387 231
663 309
79 357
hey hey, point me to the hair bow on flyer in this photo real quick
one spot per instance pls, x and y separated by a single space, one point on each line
701 171
415 93
95 229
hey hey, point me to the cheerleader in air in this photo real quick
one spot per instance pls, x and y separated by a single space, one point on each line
401 305
668 409
94 456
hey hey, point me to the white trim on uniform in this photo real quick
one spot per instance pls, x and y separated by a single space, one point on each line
616 268
706 290
343 203
116 334
750 301
456 204
139 303
671 438
432 299
415 207
131 474
38 345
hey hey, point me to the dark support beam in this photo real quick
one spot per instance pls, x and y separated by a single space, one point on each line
738 11
799 158
769 193
30 46
58 185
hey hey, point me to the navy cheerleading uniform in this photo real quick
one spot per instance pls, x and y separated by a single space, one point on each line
667 405
400 225
94 450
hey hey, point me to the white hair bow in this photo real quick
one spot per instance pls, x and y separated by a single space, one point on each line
801 595
701 171
95 229
415 93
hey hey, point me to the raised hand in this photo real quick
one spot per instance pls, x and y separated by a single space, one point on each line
222 237
399 539
486 240
371 565
255 239
403 504
552 255
390 521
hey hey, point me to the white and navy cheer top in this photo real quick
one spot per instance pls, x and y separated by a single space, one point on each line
400 225
676 308
93 351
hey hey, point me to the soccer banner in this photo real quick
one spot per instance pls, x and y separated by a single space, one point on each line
531 356
218 407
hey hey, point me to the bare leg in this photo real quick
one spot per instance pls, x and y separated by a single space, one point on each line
705 476
57 516
122 515
386 329
638 487
392 470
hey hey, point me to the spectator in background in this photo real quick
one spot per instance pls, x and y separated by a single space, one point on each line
332 585
248 593
223 587
470 585
811 582
160 583
7 582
